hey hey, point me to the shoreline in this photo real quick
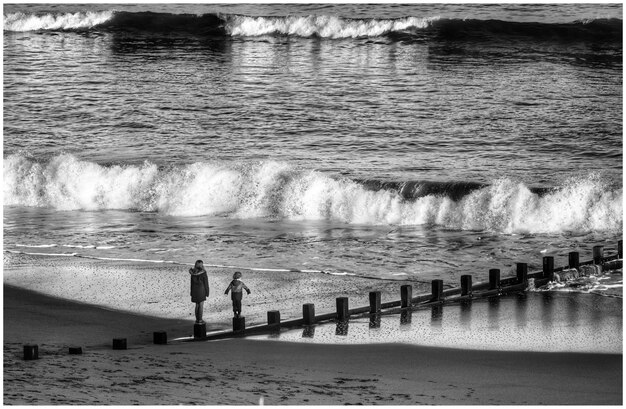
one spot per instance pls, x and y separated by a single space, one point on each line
242 371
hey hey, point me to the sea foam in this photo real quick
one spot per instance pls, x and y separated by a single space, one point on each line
322 26
278 190
65 21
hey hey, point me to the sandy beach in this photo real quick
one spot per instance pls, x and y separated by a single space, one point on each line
240 371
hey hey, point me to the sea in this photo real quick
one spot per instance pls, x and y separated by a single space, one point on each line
404 142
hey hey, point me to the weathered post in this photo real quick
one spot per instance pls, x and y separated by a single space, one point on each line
308 314
619 248
598 253
75 350
374 302
31 352
494 278
437 290
159 337
342 309
406 293
522 273
199 331
273 319
574 260
119 343
466 284
548 267
239 324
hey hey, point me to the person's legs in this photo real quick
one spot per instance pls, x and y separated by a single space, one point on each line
199 308
237 304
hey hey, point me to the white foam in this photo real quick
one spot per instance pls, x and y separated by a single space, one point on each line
278 190
67 21
322 26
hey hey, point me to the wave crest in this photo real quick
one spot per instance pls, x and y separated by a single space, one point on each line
67 21
321 26
278 190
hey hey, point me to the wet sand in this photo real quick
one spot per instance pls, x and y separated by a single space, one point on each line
245 371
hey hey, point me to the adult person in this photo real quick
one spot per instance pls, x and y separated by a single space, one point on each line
199 288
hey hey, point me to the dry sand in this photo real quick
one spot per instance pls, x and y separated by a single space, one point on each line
244 371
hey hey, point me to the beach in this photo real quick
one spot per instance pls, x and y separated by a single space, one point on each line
242 371
322 151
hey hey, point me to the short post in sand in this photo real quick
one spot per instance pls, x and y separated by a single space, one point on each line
199 331
75 350
239 324
406 294
494 279
437 290
573 260
522 273
548 268
119 343
374 302
308 314
598 253
273 320
342 309
31 352
466 285
159 337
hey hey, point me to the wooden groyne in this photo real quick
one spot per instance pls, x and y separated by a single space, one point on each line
466 292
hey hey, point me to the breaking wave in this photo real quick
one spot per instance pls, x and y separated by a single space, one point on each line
322 26
280 191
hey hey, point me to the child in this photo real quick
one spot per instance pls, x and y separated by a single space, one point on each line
236 286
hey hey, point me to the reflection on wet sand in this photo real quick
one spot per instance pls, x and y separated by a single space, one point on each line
534 321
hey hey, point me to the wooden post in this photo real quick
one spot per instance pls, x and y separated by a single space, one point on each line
308 314
598 253
494 278
75 350
619 249
522 273
466 284
119 343
406 293
31 352
239 324
573 260
437 290
273 318
342 308
374 302
159 337
199 331
548 267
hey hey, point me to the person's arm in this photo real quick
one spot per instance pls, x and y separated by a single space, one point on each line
245 288
206 284
229 287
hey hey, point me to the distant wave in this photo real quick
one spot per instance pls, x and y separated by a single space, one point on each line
280 191
322 26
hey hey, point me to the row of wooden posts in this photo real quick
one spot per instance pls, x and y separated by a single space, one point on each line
466 292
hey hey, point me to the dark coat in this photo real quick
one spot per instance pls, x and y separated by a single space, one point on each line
199 286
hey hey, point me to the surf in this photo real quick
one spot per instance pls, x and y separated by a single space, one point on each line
280 191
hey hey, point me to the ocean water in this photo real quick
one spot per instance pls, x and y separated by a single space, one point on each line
397 142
